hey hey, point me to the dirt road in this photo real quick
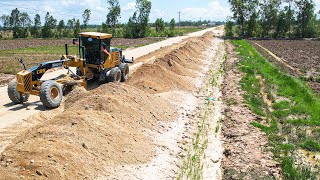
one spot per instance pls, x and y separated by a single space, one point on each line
10 113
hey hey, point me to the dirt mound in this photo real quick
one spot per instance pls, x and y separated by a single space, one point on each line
167 73
98 128
156 79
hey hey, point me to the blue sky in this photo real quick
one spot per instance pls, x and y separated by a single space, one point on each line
215 10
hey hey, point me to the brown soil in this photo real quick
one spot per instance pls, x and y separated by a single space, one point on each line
303 55
174 70
101 128
29 43
5 78
246 147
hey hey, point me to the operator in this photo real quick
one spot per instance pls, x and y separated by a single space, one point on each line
104 54
103 47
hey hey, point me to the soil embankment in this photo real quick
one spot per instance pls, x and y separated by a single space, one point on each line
111 126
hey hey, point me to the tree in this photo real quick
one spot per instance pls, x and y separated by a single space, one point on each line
5 19
289 15
25 24
61 29
270 9
36 29
228 29
242 11
70 27
49 25
160 25
172 24
86 18
305 18
76 28
137 26
15 23
113 15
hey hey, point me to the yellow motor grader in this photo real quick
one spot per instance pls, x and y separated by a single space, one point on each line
97 62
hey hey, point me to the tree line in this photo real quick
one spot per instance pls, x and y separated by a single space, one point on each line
21 25
273 19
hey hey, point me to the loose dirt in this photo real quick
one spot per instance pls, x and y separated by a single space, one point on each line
246 147
101 132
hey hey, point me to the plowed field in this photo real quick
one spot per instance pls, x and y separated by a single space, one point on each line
304 55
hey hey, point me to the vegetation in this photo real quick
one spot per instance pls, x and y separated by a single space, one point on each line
160 25
274 18
298 103
86 18
137 26
112 17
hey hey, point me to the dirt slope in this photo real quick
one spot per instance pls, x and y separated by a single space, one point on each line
97 128
105 127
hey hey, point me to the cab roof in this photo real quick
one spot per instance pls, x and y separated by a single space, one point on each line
96 35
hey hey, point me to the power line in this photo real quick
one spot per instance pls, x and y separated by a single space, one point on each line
32 9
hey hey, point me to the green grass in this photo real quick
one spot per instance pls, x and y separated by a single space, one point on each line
300 110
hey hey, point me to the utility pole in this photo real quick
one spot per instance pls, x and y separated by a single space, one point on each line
179 17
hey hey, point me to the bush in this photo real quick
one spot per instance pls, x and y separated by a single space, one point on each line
229 29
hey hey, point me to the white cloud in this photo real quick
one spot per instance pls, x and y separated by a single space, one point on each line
214 11
130 6
158 13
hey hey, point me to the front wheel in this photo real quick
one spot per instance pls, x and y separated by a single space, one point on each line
115 75
14 95
51 94
124 71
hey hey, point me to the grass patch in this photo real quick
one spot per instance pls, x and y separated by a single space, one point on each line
301 113
311 145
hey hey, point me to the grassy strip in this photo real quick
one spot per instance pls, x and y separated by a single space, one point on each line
294 111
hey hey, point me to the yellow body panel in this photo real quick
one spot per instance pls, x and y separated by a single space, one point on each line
112 61
24 81
96 35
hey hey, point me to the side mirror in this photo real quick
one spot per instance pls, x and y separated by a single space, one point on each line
24 65
75 41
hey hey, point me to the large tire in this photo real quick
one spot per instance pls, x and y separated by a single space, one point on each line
51 94
115 75
124 71
78 72
14 95
103 77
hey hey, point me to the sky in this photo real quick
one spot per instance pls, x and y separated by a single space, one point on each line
214 10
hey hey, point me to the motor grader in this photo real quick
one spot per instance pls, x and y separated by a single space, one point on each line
97 61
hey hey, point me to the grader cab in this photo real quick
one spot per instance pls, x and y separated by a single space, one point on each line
98 61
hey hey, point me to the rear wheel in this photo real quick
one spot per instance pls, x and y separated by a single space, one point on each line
124 71
51 94
14 95
115 75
